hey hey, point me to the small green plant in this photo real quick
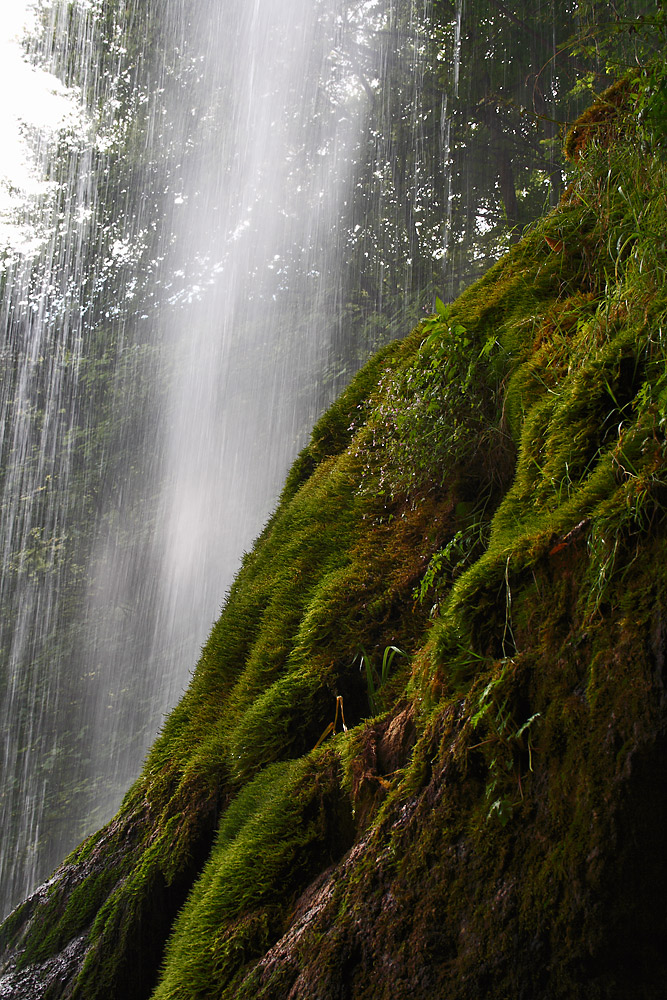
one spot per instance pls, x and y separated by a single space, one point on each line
439 410
449 561
375 679
650 100
501 809
506 738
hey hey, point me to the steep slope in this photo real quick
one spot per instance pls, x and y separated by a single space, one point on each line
489 498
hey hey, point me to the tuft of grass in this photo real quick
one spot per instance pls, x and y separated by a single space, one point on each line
376 678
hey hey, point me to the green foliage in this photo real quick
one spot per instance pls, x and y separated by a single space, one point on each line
577 395
376 678
523 76
440 412
273 727
504 743
449 561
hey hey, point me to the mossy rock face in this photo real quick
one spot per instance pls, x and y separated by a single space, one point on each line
481 813
602 122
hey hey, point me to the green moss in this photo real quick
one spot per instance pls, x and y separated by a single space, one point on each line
272 839
73 901
273 727
334 431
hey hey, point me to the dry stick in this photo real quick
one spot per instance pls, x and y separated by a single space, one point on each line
331 728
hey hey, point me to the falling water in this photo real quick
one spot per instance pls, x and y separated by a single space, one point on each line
241 202
173 320
54 317
268 130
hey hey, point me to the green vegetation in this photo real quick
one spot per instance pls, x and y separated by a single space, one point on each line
375 679
489 496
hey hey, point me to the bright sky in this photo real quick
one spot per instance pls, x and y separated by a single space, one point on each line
30 97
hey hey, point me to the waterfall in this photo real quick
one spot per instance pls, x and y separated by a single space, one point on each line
229 206
49 277
267 132
177 311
